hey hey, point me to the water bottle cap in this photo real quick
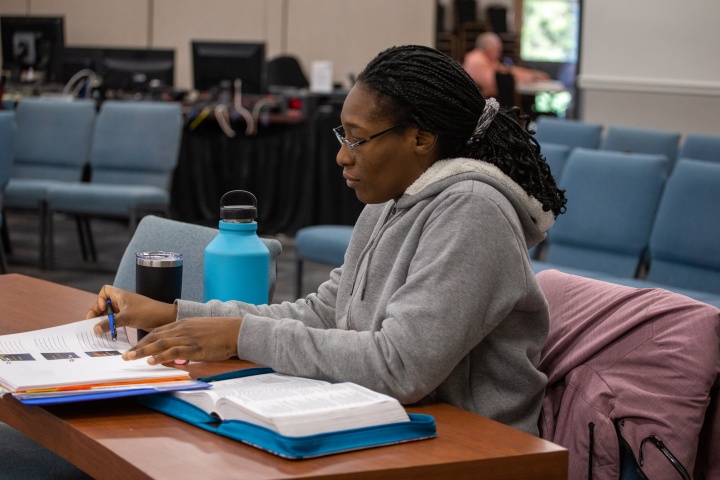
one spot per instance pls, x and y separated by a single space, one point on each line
238 213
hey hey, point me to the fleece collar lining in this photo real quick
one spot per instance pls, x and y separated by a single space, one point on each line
446 168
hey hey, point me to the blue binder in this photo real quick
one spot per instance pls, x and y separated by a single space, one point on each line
87 395
419 427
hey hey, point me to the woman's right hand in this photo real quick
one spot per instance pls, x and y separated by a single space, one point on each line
131 310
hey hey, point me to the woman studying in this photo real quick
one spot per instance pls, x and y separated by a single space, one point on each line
436 300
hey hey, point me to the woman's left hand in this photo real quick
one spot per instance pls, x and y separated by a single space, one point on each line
199 339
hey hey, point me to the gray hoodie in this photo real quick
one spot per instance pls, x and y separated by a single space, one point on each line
436 301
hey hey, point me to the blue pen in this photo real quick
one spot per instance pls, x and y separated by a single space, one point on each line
111 317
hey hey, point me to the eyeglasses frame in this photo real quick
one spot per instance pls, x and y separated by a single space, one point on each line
352 145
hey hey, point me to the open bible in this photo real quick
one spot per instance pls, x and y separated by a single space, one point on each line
294 417
295 406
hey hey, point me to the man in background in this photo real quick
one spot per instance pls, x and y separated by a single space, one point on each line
483 62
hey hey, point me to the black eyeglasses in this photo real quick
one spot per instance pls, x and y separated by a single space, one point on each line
340 134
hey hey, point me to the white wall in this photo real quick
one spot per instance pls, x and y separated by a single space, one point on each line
652 63
101 22
351 33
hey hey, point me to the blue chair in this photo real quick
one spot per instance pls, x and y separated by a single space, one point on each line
133 154
51 147
556 155
639 140
320 243
612 199
573 133
156 233
701 147
7 154
684 238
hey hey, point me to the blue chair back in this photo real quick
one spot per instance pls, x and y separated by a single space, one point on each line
53 138
612 199
556 155
136 143
701 147
8 129
573 133
684 241
639 140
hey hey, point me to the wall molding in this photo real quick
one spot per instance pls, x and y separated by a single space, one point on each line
648 85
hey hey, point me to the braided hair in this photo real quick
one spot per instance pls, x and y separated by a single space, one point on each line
425 88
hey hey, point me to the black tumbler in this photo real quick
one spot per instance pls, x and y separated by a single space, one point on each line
158 275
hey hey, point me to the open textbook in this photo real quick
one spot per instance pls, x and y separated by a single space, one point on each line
70 359
294 406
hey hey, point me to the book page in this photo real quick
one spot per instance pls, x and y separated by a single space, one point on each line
70 356
269 385
71 341
310 409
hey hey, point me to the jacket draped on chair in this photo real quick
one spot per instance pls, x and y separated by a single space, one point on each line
646 360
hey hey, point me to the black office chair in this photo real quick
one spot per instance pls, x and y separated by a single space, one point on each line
465 11
285 71
507 95
497 16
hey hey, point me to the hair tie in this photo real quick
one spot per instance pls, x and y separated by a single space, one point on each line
486 118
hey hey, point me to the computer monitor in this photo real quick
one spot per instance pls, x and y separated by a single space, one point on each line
31 43
75 59
137 69
215 62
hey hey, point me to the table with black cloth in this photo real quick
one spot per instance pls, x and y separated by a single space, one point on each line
289 166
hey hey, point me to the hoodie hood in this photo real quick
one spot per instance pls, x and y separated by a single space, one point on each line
442 173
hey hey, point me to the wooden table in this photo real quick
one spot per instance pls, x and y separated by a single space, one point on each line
118 439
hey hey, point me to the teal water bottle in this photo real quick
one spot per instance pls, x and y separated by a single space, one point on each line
237 262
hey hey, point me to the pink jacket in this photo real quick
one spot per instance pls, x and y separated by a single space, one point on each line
648 359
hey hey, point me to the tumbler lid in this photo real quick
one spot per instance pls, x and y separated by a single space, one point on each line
238 213
159 259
